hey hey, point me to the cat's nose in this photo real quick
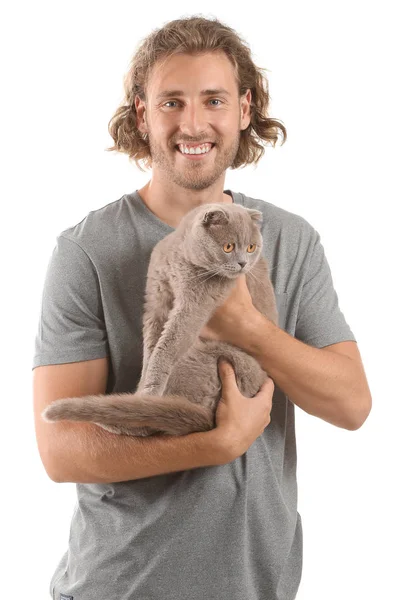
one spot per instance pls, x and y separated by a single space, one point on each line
242 264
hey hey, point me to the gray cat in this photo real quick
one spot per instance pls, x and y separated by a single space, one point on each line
191 272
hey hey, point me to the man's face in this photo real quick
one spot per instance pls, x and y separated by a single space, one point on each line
186 115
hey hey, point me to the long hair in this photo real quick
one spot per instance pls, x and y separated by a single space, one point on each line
195 35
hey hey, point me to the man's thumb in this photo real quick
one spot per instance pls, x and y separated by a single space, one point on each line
226 371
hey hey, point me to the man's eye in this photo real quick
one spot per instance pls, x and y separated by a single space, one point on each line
175 101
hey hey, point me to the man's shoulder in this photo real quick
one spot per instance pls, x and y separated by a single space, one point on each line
278 219
103 221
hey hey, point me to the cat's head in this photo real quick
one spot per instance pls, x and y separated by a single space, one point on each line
223 238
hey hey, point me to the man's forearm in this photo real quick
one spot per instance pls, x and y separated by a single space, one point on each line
86 453
324 384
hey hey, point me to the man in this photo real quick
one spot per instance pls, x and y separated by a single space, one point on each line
198 516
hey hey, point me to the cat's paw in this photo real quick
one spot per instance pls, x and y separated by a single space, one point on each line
152 390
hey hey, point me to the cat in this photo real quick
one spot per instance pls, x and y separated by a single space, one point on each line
191 272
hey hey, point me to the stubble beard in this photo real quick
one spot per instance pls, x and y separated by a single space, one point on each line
194 176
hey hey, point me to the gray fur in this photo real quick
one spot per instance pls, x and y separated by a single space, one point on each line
189 276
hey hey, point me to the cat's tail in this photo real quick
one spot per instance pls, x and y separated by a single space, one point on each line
172 415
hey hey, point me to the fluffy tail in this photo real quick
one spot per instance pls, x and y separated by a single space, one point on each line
173 415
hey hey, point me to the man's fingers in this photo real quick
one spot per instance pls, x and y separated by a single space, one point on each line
267 386
226 372
228 379
225 368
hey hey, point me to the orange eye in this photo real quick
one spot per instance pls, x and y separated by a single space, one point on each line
228 247
251 248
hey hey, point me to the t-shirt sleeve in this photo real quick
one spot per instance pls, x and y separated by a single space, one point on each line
320 322
71 322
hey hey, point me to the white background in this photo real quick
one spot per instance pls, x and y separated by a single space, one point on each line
332 75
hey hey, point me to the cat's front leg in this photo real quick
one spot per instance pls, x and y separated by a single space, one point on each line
172 344
180 332
152 331
156 312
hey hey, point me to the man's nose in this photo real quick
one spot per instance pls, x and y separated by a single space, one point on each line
193 120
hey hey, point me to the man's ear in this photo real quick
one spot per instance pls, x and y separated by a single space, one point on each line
140 108
246 109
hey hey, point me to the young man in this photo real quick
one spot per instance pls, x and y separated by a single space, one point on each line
204 515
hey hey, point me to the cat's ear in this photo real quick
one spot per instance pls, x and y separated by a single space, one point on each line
215 217
256 215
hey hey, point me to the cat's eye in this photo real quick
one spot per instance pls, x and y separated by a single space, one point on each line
251 248
228 247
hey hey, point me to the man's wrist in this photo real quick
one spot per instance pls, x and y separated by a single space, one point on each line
226 444
251 331
217 448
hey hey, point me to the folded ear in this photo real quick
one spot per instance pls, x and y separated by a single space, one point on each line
215 217
256 215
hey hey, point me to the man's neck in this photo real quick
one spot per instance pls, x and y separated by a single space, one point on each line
171 206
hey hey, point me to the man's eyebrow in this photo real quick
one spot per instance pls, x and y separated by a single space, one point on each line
209 92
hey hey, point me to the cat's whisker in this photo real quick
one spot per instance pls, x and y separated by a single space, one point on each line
256 278
213 275
198 275
201 275
195 277
269 270
261 283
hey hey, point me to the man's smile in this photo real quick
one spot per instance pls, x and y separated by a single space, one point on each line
198 152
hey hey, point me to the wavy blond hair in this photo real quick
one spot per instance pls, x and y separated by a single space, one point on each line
194 35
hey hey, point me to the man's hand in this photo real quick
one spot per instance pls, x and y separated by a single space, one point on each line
241 420
223 323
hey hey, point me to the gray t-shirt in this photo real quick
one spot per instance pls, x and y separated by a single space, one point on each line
229 532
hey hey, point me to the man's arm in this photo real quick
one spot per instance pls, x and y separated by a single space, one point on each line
86 453
327 384
89 454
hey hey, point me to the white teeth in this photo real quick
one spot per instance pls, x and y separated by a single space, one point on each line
204 149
